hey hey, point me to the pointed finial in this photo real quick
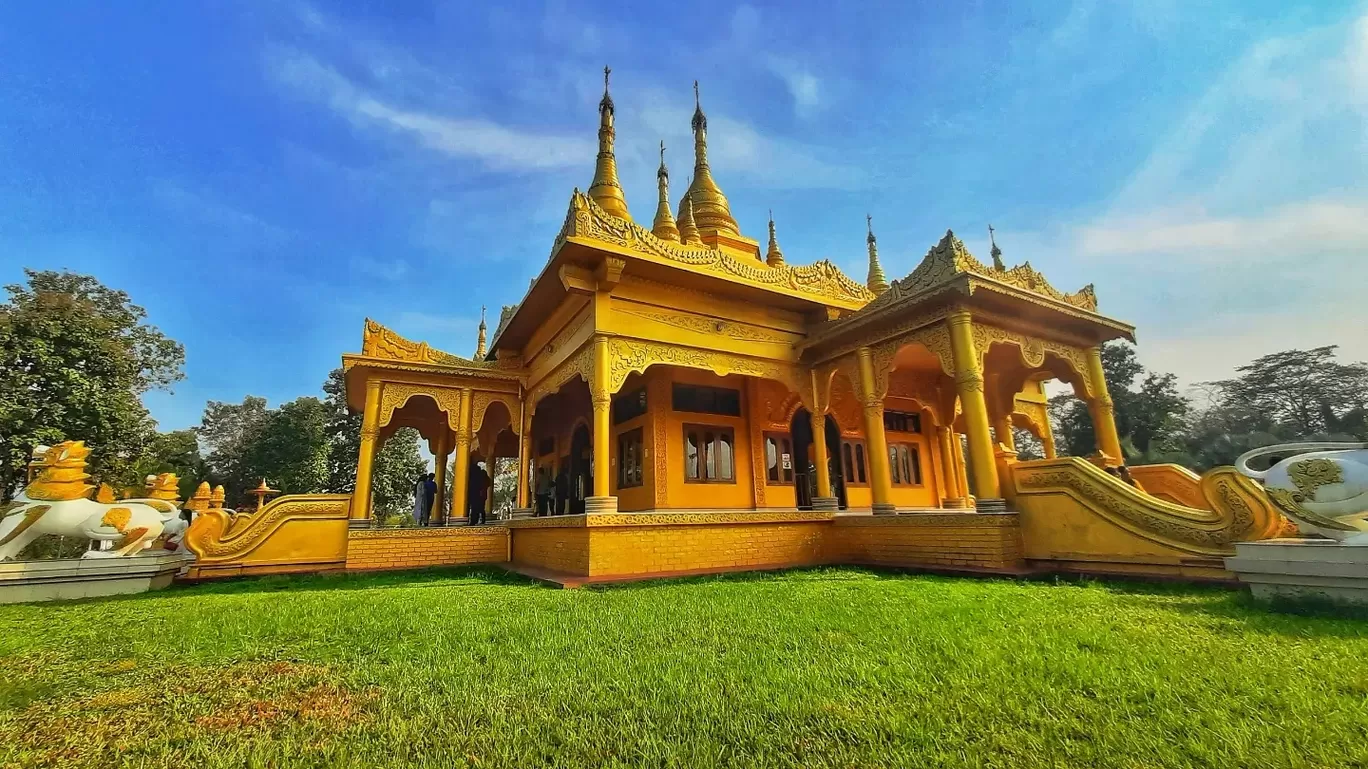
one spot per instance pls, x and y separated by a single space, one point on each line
605 189
700 121
688 229
876 281
664 225
480 349
997 252
773 256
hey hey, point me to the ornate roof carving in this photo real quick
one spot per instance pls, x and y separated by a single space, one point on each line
950 258
823 281
379 342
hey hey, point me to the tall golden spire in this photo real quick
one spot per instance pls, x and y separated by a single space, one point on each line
480 349
876 281
605 189
664 225
997 252
773 257
688 230
710 205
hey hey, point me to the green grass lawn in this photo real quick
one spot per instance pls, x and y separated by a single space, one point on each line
831 667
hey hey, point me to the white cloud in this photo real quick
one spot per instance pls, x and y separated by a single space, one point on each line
1291 229
802 85
497 146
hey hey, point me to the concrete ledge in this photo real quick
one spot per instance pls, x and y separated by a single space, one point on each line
67 578
1302 568
712 517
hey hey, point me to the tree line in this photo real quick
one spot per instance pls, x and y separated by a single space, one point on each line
77 357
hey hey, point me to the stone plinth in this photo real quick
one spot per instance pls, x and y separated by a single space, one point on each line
1302 568
66 578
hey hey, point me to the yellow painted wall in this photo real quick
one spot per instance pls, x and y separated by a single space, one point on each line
684 495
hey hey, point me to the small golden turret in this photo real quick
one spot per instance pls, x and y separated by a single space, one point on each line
262 492
217 499
773 257
199 501
481 348
876 281
711 210
688 230
605 189
664 225
997 252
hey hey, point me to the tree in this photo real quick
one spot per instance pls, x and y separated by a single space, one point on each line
397 464
175 452
77 357
231 432
1150 419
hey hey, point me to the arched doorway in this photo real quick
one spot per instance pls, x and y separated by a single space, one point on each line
581 468
805 481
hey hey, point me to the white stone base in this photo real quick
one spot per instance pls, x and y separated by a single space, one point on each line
56 580
1302 568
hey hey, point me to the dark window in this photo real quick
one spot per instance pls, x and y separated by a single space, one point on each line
546 446
706 400
904 464
709 454
778 459
853 458
902 422
630 460
628 406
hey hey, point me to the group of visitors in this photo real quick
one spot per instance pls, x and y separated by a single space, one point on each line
477 495
553 496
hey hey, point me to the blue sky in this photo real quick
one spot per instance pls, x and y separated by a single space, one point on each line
261 176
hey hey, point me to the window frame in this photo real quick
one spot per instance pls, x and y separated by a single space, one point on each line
637 435
710 439
897 450
854 462
714 392
783 444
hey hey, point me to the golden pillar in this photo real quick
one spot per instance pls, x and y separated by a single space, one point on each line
1103 412
1047 441
524 458
365 461
1002 430
601 501
440 460
954 486
824 499
880 474
460 470
969 385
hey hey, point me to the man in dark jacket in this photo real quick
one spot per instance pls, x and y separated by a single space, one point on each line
562 492
429 497
479 488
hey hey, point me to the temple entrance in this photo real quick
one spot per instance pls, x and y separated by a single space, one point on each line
804 477
581 469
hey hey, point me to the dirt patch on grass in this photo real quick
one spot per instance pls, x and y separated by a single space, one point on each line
150 708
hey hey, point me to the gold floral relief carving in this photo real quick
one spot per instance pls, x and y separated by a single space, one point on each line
395 395
563 336
580 364
658 393
823 279
743 332
626 356
845 404
479 405
380 342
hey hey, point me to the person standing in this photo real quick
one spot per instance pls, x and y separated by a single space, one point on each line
419 491
543 490
477 488
562 492
429 497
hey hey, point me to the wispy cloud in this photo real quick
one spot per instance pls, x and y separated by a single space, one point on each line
496 146
207 208
802 85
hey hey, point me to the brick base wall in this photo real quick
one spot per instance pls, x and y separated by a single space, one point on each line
642 550
562 549
416 548
928 540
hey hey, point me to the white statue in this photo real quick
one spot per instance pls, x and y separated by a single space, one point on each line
57 501
1324 489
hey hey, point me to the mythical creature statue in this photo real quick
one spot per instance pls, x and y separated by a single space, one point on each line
58 501
1324 488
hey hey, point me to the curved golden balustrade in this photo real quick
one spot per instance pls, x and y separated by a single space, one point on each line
1073 511
293 533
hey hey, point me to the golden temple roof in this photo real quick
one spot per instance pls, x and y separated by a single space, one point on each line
711 211
605 189
664 225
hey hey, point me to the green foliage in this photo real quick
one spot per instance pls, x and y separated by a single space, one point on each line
1150 418
175 452
833 667
77 357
